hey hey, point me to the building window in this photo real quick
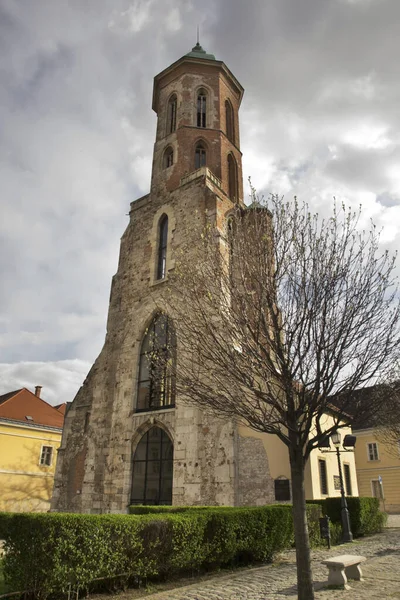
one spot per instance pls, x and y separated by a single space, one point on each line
162 247
373 451
347 479
232 178
323 477
200 156
201 108
168 159
156 385
46 456
230 133
282 490
86 424
153 469
377 491
171 114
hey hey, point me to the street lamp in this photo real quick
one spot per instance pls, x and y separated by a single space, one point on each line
349 440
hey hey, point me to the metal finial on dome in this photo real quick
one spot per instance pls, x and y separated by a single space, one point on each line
198 52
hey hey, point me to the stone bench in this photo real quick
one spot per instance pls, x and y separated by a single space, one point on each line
343 567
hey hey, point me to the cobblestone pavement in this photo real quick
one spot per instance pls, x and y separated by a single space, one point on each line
277 581
393 521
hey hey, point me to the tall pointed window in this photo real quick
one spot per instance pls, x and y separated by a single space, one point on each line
168 159
171 114
230 132
162 247
232 178
156 385
201 108
200 156
153 469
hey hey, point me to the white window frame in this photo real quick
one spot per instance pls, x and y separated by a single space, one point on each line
43 464
368 452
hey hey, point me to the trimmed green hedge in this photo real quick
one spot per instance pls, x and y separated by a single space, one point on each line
46 553
365 515
145 509
4 520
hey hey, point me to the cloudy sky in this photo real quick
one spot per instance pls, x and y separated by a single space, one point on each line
320 118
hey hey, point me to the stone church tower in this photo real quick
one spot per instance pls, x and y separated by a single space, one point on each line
127 438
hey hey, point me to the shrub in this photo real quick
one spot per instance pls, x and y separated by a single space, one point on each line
46 553
365 516
4 521
144 509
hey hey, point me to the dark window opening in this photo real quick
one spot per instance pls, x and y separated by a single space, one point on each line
156 382
230 132
168 158
162 247
86 425
200 157
172 105
323 477
282 489
232 178
201 108
347 479
153 469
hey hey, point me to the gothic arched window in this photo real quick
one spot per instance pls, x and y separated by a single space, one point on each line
153 469
156 385
230 130
162 247
201 108
171 114
232 178
200 156
168 159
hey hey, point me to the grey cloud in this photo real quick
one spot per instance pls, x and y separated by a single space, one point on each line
77 133
60 380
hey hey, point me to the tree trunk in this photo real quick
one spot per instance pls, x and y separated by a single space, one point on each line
305 588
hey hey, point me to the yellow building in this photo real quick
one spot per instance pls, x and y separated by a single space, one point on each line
30 434
378 469
322 470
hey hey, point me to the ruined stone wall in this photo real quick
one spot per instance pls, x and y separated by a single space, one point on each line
101 428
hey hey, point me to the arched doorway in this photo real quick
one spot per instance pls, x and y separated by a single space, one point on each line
153 469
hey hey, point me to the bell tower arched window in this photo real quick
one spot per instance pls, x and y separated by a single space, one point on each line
156 383
168 159
200 156
171 114
229 120
162 247
153 469
201 108
232 178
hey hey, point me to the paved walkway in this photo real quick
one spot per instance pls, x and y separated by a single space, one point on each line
278 581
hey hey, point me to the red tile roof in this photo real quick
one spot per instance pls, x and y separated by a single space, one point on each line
20 404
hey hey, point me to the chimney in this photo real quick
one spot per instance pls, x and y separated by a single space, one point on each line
38 389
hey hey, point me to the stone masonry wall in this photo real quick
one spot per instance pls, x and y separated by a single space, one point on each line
94 470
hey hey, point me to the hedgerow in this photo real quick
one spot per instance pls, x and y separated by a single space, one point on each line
365 515
47 554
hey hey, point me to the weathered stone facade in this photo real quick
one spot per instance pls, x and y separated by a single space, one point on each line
212 463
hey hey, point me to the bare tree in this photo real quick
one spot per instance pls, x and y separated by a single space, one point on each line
386 421
276 314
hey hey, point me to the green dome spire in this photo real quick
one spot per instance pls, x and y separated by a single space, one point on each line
198 52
